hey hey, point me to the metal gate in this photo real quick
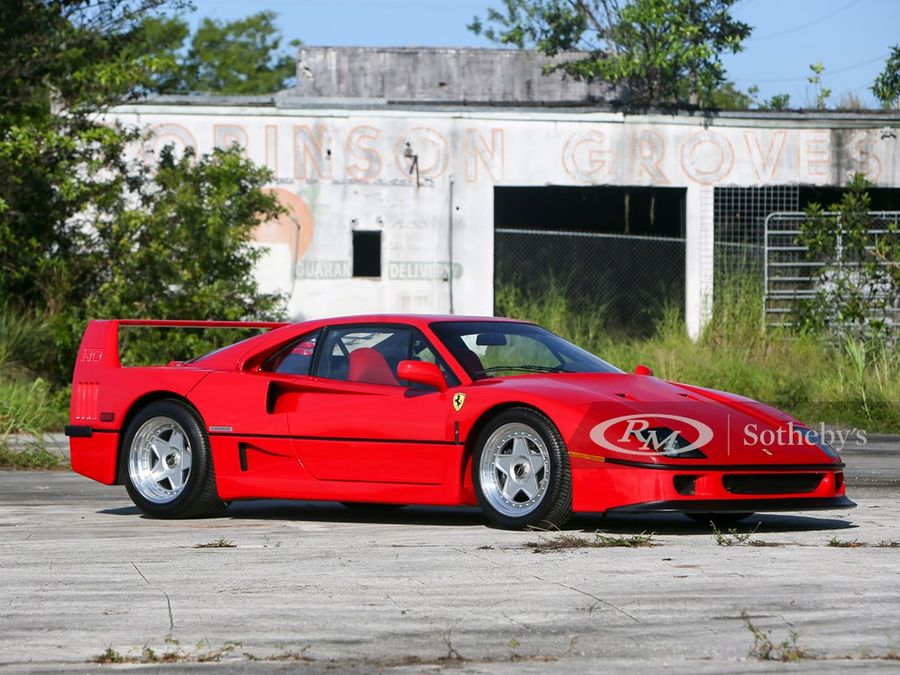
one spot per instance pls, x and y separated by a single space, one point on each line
791 277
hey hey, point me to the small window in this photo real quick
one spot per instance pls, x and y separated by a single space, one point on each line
372 353
364 353
366 254
295 358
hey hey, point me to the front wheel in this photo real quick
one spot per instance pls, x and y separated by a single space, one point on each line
167 463
521 472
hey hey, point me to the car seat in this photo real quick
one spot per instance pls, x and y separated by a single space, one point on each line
368 365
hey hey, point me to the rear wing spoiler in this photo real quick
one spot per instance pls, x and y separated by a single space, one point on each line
100 343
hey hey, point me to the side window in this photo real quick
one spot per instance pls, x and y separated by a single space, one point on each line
295 358
364 354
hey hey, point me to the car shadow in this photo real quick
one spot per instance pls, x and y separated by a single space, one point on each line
676 523
445 516
269 509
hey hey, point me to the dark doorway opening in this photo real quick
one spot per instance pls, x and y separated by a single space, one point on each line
613 254
640 211
883 199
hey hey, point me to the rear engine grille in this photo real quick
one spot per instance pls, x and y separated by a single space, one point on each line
772 484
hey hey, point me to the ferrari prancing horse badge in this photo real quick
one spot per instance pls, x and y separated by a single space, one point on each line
458 401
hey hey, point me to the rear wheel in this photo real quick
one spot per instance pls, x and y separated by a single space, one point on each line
167 463
521 473
718 519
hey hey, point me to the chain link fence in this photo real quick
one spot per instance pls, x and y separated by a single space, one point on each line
629 281
739 216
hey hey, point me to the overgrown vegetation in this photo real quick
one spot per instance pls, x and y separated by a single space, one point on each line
94 226
731 536
665 52
222 57
887 85
221 542
858 286
564 540
765 649
849 384
175 653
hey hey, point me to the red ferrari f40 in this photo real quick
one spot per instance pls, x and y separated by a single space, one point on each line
447 410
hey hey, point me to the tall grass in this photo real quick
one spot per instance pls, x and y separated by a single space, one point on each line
853 385
29 406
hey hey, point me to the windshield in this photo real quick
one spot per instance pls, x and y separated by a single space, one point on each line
499 348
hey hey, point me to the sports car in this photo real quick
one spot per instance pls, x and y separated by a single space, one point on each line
449 410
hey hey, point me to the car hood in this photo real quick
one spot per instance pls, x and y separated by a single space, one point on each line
644 419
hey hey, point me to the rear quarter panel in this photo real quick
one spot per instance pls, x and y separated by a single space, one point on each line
104 400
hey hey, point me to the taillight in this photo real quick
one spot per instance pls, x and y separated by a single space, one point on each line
85 401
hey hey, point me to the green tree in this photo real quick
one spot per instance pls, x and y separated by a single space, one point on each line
86 228
664 51
887 85
61 63
235 57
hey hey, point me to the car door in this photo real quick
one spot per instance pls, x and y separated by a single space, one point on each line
358 422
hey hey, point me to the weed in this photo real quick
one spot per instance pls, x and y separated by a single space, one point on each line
30 459
173 654
845 543
109 656
732 537
221 542
764 649
564 540
884 543
28 408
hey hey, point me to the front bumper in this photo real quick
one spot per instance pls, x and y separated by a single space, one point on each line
621 486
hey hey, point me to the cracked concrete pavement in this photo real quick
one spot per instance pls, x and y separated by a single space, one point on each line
319 587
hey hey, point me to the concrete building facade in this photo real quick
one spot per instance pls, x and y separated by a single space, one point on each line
392 202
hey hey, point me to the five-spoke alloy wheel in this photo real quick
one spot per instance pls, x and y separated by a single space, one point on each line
167 465
521 471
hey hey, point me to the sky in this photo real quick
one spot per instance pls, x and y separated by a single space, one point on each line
851 38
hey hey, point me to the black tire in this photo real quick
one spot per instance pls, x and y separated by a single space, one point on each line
198 497
720 520
554 507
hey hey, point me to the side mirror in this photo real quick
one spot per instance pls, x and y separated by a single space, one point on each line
422 372
643 370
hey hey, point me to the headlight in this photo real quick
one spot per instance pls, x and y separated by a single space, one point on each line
814 438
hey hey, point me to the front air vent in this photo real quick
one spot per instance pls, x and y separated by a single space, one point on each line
772 483
685 485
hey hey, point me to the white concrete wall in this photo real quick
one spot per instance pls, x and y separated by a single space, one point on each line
340 170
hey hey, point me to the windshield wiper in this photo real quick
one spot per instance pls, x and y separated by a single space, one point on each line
526 369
